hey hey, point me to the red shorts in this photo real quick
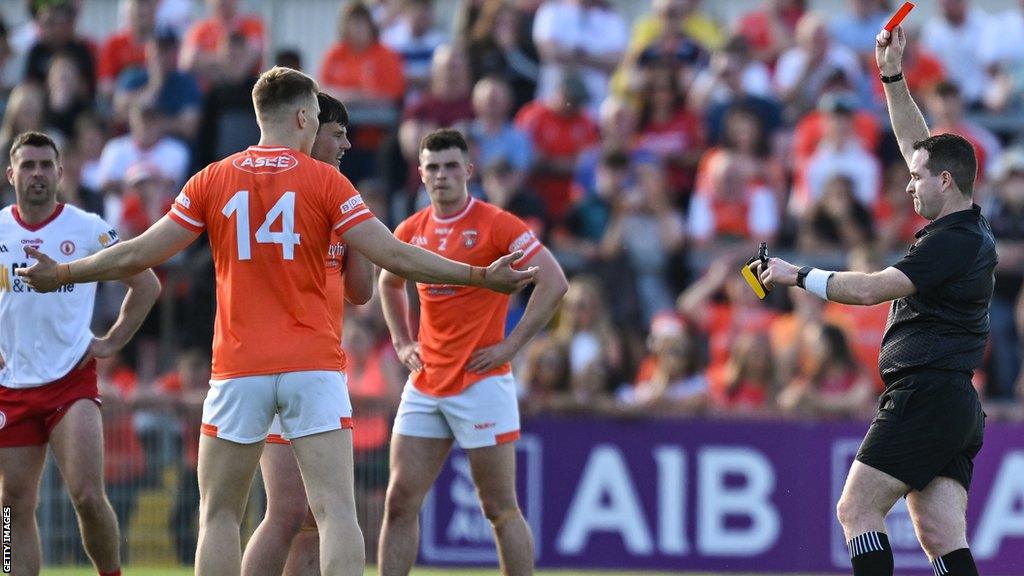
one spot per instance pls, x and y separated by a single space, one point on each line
28 415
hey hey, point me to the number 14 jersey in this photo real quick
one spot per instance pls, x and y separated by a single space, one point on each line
269 214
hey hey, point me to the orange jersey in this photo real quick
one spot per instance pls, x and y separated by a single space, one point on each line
270 214
335 267
455 321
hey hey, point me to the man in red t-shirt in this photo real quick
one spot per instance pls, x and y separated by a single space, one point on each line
270 213
461 387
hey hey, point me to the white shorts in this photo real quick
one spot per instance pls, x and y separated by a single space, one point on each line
485 414
308 402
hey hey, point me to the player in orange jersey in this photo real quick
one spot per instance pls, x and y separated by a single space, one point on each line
270 212
461 388
287 539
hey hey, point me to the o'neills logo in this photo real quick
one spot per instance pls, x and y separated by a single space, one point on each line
265 164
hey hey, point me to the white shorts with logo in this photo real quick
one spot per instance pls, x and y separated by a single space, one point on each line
309 402
485 414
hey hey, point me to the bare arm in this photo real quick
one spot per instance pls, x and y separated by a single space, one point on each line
907 121
143 290
376 242
358 278
154 246
550 286
861 288
394 301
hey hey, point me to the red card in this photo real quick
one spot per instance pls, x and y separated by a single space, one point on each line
899 16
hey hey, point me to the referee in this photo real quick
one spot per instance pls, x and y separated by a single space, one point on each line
929 424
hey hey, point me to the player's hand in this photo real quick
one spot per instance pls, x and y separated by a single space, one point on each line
409 356
778 273
99 348
487 359
502 277
889 50
41 276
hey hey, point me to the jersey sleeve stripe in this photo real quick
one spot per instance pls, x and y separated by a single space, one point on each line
184 220
529 252
349 218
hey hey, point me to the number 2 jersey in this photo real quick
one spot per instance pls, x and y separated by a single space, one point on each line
270 214
455 321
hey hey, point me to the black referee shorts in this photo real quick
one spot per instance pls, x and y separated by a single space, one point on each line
928 424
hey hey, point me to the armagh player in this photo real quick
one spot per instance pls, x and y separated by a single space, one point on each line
287 539
269 212
48 393
461 387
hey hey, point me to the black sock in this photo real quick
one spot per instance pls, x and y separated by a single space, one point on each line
956 563
870 554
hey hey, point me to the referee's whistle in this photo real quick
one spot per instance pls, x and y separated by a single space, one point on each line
752 279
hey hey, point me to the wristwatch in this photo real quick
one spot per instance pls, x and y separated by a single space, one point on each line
801 275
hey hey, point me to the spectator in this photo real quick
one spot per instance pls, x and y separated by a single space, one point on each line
840 151
619 123
495 49
588 36
494 136
127 47
500 188
749 380
560 131
671 133
676 387
955 35
744 137
648 234
731 70
359 69
174 15
415 38
89 139
70 188
1003 57
57 20
804 70
946 108
207 50
147 196
734 206
145 142
585 329
577 241
785 333
1005 213
229 120
67 94
545 376
11 64
856 27
682 16
770 28
160 84
834 384
835 221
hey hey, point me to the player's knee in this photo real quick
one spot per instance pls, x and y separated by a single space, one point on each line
849 512
499 511
19 497
401 502
936 536
287 514
88 501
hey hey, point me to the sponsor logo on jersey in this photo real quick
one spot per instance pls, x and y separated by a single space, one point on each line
521 242
469 238
107 238
265 164
336 251
351 204
442 231
67 247
419 241
183 200
5 278
3 248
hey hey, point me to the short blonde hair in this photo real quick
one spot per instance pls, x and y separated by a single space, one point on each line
279 87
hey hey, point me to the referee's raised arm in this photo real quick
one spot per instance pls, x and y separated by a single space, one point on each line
907 121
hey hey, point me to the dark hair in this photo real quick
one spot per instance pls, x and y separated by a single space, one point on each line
281 86
444 139
834 339
954 154
615 159
34 140
358 10
947 89
331 110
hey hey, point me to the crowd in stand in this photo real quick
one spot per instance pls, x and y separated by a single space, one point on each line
651 156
